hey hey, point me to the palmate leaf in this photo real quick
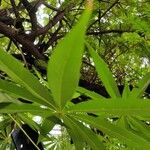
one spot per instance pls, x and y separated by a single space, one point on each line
65 62
113 106
115 131
104 73
19 74
84 133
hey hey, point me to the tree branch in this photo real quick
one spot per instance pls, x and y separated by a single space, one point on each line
58 17
119 31
108 9
22 39
32 14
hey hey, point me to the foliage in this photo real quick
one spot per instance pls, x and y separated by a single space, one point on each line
119 120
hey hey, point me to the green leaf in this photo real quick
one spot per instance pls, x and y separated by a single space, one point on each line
19 108
22 76
6 98
48 124
126 92
139 128
77 140
76 95
4 145
114 131
18 91
143 84
111 106
65 62
104 73
5 123
89 93
84 133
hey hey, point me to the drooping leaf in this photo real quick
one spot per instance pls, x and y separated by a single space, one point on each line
19 74
84 133
65 62
48 124
136 126
139 128
115 131
104 73
77 140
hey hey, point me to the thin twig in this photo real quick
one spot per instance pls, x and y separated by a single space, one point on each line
17 123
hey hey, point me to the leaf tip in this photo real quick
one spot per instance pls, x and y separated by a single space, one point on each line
89 4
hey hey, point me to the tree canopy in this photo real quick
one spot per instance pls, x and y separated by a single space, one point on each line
118 30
